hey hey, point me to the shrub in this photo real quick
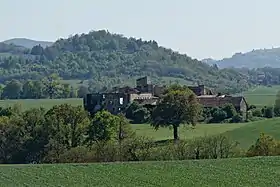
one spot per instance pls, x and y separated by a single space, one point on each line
137 113
130 149
105 151
213 147
218 115
141 115
264 146
252 107
277 111
268 112
136 149
77 155
208 147
162 153
237 119
144 149
230 110
257 112
256 118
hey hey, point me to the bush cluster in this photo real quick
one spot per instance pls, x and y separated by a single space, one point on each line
145 149
66 134
265 145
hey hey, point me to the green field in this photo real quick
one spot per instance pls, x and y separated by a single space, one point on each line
261 95
245 133
248 134
185 132
36 103
225 172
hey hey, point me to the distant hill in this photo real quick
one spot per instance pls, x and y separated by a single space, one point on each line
254 59
28 43
109 60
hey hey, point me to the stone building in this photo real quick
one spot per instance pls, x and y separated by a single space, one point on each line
145 93
118 99
113 102
210 101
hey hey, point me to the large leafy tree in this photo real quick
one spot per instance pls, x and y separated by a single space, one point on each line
177 106
28 90
52 85
137 113
37 135
124 128
12 90
103 127
230 110
106 126
68 124
12 138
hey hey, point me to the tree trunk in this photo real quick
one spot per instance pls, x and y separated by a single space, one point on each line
175 132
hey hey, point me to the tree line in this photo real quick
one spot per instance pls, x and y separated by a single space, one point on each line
37 135
50 87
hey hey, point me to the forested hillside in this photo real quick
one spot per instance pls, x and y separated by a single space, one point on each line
109 60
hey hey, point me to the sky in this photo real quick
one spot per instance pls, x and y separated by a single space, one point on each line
199 28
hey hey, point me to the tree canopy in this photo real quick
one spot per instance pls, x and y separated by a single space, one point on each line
177 106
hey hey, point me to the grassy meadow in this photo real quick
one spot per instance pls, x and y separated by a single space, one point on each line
261 95
261 171
245 133
26 104
185 132
248 134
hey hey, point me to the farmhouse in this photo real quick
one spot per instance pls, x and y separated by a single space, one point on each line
147 94
210 101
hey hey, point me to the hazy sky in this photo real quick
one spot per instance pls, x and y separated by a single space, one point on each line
199 28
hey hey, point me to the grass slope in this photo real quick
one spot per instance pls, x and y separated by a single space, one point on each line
185 132
248 134
261 95
245 133
36 103
227 172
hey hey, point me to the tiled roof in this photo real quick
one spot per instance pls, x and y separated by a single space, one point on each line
218 101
